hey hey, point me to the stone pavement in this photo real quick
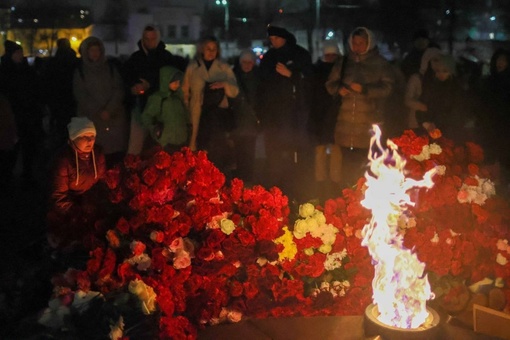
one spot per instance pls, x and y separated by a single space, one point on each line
318 328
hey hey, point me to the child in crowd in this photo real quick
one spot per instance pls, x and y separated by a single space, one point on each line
77 169
165 115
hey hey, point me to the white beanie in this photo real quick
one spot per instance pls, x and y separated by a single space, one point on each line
80 126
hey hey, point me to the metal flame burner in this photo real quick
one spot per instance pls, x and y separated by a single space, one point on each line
373 327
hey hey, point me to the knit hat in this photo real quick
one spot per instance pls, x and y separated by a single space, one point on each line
278 32
330 49
80 126
247 55
10 47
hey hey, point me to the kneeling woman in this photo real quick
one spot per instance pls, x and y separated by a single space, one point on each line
77 169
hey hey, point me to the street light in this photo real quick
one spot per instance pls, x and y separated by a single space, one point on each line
224 3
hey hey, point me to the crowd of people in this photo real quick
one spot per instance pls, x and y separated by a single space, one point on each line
314 118
307 122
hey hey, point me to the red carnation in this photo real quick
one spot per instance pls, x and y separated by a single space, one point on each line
475 152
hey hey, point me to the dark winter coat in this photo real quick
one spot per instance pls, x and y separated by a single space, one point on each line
97 86
360 110
324 108
284 101
21 85
146 64
245 102
58 80
444 103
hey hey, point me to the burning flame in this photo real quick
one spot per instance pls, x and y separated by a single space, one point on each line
400 290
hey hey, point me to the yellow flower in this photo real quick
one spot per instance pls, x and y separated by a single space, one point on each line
227 226
319 217
309 251
313 226
289 247
146 295
300 229
306 210
325 248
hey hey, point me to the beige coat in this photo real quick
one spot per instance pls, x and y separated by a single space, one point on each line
193 87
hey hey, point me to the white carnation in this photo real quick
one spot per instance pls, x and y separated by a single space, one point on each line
500 259
435 149
441 170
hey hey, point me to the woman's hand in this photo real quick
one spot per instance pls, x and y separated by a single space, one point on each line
343 91
421 107
217 85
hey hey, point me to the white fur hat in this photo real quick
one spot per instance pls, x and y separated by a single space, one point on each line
80 126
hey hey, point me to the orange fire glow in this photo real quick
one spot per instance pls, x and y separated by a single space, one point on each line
400 288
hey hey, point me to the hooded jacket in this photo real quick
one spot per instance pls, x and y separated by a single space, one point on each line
74 174
359 111
145 64
166 107
97 87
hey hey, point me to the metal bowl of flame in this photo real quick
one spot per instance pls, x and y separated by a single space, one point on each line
373 327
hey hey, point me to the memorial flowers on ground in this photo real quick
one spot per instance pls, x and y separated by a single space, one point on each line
186 250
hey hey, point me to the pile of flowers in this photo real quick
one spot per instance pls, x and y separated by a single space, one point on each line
184 250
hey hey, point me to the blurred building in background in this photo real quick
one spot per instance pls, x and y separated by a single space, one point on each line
459 26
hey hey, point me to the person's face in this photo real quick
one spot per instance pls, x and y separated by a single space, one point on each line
442 73
247 65
210 51
421 43
276 41
17 56
359 44
85 143
94 53
150 40
501 63
330 57
174 86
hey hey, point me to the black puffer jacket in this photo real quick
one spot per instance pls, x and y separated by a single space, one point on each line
280 96
146 64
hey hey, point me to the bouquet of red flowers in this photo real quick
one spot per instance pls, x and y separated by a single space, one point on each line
185 250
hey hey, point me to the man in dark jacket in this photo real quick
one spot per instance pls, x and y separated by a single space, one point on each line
21 85
141 70
283 108
141 76
58 80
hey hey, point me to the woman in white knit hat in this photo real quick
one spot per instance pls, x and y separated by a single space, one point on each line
78 167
